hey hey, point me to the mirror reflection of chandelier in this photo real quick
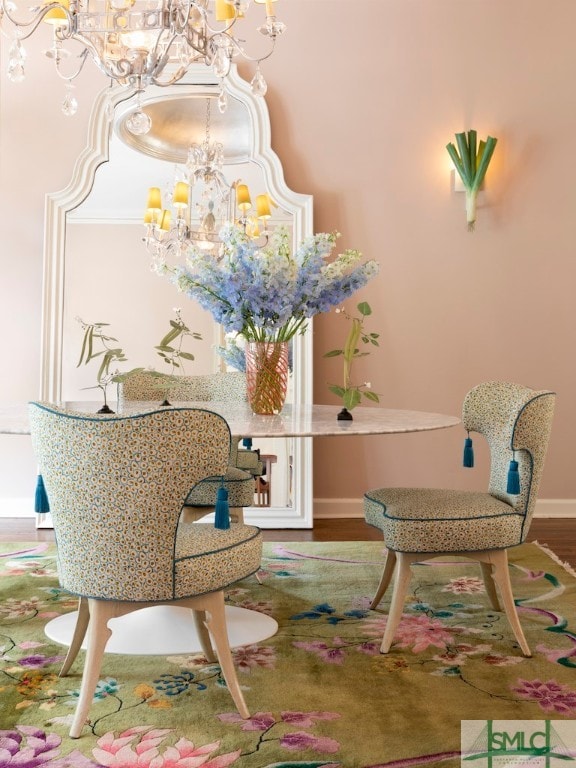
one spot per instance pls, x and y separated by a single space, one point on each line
202 202
138 43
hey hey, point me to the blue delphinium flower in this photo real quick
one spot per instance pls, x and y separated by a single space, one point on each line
269 293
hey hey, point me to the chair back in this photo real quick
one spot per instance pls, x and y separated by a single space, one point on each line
225 387
116 486
516 421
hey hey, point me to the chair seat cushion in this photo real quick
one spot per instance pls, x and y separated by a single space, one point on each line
438 520
238 483
209 559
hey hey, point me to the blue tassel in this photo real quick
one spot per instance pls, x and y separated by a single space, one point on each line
222 510
513 484
41 503
468 459
247 442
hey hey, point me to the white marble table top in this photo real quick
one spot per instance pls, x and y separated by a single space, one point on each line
294 421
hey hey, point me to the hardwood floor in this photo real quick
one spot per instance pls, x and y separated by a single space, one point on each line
558 533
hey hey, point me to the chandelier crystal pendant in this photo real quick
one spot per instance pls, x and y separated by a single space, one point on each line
202 202
138 43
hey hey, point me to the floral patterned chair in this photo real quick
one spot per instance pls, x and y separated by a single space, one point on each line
243 465
422 523
117 485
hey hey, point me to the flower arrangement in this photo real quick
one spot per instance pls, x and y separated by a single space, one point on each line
267 294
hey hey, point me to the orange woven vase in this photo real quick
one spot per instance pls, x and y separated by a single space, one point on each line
266 375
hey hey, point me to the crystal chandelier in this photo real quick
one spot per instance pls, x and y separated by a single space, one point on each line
138 43
202 202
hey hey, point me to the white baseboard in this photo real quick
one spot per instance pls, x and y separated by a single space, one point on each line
323 508
23 507
340 508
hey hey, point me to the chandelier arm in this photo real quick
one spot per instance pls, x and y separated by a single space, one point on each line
84 58
36 20
161 60
239 50
116 70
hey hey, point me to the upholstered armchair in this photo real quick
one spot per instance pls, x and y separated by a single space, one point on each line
116 486
422 523
243 465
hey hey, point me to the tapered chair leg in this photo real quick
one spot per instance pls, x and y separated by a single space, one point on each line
402 578
386 578
78 637
98 635
204 635
499 560
216 623
490 586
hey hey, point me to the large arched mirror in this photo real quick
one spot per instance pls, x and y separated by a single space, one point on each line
97 267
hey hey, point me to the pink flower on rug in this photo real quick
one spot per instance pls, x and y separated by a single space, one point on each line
369 648
554 654
28 567
248 657
27 746
420 632
262 606
261 721
551 696
14 609
126 752
38 661
464 585
417 631
302 740
460 652
306 719
331 655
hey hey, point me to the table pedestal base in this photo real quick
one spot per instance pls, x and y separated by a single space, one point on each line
164 630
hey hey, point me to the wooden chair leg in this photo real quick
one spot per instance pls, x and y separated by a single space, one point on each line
216 623
499 560
490 586
78 637
203 634
402 578
386 578
101 612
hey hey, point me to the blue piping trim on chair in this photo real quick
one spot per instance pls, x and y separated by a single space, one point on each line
532 399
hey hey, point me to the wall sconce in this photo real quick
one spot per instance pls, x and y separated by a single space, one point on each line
471 161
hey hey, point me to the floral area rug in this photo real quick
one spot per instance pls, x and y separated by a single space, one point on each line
319 691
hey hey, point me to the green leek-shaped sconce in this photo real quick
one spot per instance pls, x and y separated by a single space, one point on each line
471 161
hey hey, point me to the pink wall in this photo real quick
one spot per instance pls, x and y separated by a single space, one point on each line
362 104
363 97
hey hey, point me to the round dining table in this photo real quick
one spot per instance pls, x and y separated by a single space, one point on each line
169 630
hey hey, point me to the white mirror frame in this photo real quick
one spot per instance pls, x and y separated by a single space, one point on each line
58 204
